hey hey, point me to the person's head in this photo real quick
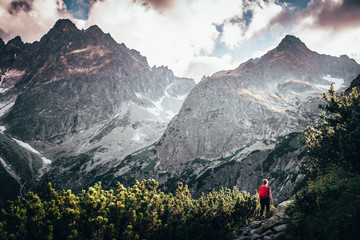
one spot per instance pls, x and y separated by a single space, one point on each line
265 182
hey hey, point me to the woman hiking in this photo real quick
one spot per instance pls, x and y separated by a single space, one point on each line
265 197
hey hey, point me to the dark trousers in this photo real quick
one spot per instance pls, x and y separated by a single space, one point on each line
264 202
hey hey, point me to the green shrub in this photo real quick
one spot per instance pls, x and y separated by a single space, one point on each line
337 140
138 212
327 208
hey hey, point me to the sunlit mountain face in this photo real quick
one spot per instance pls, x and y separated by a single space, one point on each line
78 105
197 38
79 92
238 126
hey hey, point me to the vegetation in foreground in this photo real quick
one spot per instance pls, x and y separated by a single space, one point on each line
329 206
138 212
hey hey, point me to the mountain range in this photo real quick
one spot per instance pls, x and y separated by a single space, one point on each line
77 108
240 126
80 92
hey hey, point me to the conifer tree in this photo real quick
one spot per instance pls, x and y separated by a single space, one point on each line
337 141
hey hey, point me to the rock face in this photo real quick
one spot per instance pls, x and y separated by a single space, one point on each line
240 126
261 99
78 91
354 83
270 229
84 77
19 166
98 112
258 102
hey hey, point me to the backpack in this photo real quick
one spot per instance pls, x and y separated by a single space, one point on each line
264 191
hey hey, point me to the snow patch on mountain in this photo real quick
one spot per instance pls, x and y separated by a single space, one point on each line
158 103
338 83
5 107
138 136
260 145
160 108
2 90
31 149
154 111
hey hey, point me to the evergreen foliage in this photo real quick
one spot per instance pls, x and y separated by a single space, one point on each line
138 212
337 141
328 207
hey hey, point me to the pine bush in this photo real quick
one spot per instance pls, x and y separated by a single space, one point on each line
138 212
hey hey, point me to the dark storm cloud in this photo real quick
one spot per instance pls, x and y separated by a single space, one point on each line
20 5
159 5
333 15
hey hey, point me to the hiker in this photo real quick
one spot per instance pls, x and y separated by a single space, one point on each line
265 197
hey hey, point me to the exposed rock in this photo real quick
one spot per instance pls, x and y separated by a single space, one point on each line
354 83
260 101
240 126
280 228
96 109
255 224
18 168
272 228
79 92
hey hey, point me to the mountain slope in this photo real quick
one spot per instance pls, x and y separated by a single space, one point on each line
261 99
240 126
20 165
78 92
86 70
354 84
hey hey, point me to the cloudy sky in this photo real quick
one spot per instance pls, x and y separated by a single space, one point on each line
196 37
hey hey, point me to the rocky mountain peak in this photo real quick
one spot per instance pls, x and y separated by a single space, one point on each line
64 25
97 37
94 29
290 42
77 91
15 42
228 119
290 50
97 74
10 51
63 29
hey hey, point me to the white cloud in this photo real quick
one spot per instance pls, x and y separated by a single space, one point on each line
206 66
263 13
184 34
177 37
236 32
233 34
31 25
326 41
